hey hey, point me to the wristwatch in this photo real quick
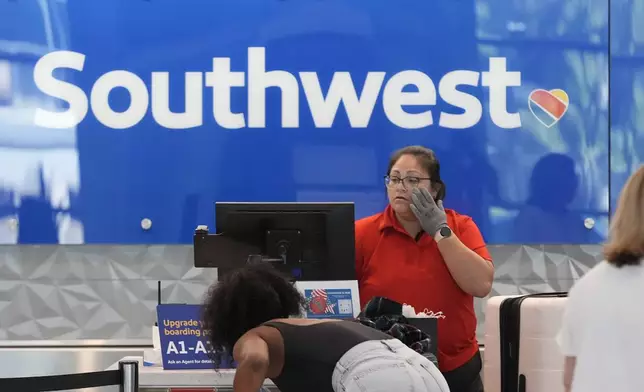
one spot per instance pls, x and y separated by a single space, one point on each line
444 232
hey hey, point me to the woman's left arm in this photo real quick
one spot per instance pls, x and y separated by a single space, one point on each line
471 272
252 356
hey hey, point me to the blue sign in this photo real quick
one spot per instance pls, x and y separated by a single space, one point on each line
329 303
123 121
183 342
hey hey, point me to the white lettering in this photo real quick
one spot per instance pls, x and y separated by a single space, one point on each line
182 344
498 79
74 96
259 80
393 99
172 349
139 99
200 348
221 79
404 89
193 113
473 110
358 110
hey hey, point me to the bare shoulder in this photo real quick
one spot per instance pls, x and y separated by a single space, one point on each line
263 344
250 337
251 346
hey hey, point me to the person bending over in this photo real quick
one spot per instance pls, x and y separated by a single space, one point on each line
249 313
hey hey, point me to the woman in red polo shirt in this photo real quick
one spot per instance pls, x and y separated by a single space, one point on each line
418 253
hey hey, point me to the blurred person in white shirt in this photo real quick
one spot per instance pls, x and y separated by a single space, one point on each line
601 335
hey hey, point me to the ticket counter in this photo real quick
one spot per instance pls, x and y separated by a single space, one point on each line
155 379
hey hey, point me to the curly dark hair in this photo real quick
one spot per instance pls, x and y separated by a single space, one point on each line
245 298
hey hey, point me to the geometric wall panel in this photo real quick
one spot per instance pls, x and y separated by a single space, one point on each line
110 292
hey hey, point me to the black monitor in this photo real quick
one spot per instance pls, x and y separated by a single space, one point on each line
309 241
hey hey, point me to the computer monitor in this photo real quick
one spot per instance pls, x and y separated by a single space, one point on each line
309 241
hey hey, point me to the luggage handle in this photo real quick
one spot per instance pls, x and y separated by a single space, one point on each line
556 294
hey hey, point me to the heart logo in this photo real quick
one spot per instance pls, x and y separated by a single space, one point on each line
548 107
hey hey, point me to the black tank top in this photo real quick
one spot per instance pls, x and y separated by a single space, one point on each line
312 351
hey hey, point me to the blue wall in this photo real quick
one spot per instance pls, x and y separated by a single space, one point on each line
89 183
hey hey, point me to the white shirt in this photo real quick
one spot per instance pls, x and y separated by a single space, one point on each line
603 327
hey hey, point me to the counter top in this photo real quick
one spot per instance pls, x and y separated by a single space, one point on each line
77 343
156 377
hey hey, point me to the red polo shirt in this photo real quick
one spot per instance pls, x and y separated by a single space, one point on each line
390 263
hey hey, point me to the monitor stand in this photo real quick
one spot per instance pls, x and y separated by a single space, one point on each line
285 245
257 259
228 254
220 251
280 264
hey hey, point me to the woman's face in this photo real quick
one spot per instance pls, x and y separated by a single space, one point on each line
405 175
